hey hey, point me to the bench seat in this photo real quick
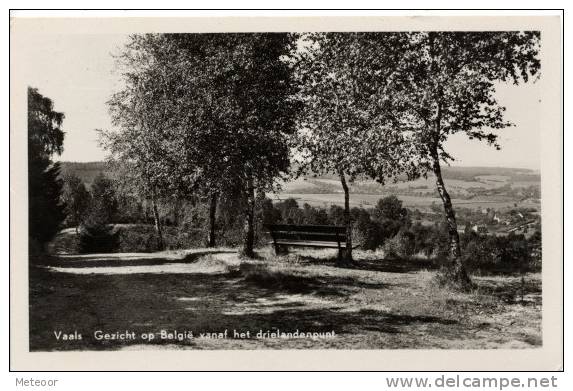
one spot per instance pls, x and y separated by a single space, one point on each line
325 236
302 243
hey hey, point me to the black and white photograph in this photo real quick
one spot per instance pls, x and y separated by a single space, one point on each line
307 189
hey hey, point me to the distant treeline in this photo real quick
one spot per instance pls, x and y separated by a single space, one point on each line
87 171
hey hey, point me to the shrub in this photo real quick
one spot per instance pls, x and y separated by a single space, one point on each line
143 238
98 238
232 237
400 246
390 208
177 239
427 240
103 205
497 254
137 238
367 234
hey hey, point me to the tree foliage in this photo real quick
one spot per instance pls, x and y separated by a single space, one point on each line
104 205
76 198
45 138
390 207
97 234
445 83
344 126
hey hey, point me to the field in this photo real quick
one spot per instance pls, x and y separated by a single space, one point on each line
469 187
370 200
379 304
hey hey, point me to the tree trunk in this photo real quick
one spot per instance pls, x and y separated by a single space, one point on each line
346 255
249 229
455 272
212 220
176 212
158 229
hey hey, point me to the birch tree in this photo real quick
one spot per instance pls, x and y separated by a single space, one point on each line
141 119
344 128
445 83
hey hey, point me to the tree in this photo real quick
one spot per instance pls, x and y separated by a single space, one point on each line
104 204
262 91
139 111
345 130
76 198
97 234
445 83
45 139
217 109
390 207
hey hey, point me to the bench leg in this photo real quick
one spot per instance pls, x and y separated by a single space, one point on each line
281 250
342 256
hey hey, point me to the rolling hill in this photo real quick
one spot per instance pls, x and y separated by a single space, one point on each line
496 187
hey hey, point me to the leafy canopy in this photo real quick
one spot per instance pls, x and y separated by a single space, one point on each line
205 110
345 125
445 83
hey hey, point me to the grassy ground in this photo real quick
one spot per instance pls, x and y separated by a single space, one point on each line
380 304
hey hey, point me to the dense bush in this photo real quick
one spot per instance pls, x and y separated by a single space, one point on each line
400 246
137 238
431 241
143 238
367 234
505 254
98 238
104 205
76 199
390 208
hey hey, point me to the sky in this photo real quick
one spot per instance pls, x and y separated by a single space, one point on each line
78 73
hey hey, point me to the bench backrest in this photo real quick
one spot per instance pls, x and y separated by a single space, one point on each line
315 233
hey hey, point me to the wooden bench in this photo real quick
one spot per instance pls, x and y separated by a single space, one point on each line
326 236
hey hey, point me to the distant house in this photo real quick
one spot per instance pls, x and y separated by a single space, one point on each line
480 229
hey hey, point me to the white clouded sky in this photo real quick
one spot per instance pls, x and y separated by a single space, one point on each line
77 73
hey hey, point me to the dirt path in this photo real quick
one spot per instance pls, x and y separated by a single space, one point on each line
206 261
379 305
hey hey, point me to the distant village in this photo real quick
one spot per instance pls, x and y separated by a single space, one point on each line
518 221
482 220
